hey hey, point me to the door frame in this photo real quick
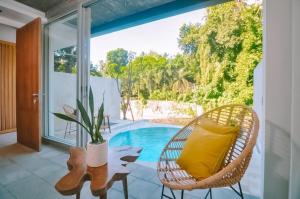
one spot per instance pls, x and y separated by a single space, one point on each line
45 74
82 78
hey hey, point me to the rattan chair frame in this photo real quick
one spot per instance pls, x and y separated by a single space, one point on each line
71 112
235 163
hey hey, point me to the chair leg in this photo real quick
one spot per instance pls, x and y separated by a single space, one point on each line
241 191
238 192
209 193
162 192
70 128
66 130
172 192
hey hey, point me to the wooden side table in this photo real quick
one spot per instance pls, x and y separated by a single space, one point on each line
103 177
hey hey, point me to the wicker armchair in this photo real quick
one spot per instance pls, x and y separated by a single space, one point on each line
234 165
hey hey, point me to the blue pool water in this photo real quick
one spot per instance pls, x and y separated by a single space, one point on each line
152 140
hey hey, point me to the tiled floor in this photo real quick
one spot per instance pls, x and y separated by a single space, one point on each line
25 174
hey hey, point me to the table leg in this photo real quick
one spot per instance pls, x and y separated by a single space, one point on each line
78 195
103 196
125 188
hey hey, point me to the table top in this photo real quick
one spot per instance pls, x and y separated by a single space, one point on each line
103 177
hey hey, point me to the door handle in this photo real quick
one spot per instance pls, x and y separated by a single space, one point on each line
35 96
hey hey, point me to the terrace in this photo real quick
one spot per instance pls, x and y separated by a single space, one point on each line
46 53
25 169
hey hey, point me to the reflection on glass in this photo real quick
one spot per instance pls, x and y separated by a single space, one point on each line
62 77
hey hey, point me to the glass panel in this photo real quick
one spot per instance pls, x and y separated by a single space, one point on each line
61 38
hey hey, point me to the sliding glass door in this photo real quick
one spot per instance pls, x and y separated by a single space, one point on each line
61 74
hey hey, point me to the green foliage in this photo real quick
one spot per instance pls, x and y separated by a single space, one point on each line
215 68
91 126
65 59
94 71
229 46
116 62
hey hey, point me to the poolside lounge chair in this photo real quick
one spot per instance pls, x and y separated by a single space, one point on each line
71 112
234 165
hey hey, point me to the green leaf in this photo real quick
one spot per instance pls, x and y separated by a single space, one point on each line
100 117
85 116
91 104
70 119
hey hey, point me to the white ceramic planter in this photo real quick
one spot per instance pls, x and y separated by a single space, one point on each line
96 154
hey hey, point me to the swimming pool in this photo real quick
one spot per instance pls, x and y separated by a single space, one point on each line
151 139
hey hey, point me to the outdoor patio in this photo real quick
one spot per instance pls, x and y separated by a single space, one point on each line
28 174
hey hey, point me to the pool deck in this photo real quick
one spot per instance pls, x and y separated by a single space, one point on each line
26 174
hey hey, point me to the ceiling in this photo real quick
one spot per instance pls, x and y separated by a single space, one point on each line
42 5
105 11
114 15
107 14
19 18
16 14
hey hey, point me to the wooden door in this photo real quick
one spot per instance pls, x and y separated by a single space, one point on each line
7 87
28 56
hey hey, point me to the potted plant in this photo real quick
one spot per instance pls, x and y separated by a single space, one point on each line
97 147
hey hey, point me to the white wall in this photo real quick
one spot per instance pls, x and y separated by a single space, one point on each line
7 33
258 162
282 75
64 93
62 86
277 57
295 116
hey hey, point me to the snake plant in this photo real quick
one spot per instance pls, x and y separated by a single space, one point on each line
90 123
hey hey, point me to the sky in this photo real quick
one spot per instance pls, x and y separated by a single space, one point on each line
159 36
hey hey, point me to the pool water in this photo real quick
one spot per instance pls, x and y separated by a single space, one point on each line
152 140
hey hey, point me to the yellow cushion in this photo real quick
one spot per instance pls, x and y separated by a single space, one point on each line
204 152
214 127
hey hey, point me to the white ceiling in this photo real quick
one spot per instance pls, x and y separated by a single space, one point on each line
16 15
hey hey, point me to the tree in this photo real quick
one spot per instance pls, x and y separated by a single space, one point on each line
117 66
228 46
65 59
94 71
116 61
215 67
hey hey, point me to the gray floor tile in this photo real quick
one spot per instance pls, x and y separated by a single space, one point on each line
113 194
132 166
119 185
25 174
32 162
60 159
155 180
11 173
51 173
32 187
4 161
141 189
86 192
142 172
50 152
4 194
